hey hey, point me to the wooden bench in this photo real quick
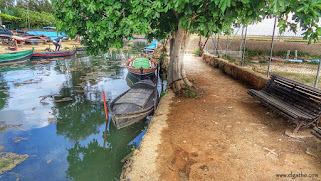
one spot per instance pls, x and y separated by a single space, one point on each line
293 100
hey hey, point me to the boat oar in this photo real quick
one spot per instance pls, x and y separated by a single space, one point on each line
106 112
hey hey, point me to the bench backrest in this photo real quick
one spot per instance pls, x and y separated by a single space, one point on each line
302 96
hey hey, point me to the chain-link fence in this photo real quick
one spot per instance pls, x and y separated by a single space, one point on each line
292 57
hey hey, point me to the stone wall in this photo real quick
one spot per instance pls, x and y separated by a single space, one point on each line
248 76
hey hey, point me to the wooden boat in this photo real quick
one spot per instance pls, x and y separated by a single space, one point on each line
16 56
142 66
134 105
35 39
58 54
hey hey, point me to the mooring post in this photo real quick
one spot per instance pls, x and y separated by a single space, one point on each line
295 54
268 71
106 112
318 74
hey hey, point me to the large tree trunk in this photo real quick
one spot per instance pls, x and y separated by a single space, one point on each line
176 73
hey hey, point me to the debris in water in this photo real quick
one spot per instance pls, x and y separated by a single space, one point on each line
34 108
49 161
9 160
65 99
4 126
18 139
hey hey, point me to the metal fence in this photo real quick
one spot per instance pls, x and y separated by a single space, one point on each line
292 57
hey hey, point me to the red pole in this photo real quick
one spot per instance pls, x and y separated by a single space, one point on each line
106 112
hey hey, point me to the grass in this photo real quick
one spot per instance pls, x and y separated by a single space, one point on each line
263 61
313 63
297 77
66 48
197 51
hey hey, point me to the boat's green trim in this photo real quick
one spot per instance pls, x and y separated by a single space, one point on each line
15 55
142 62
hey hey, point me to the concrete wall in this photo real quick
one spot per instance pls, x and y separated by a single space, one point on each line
245 75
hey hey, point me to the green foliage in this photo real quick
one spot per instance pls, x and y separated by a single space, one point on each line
251 52
263 61
35 5
103 24
7 4
37 19
313 63
162 94
307 13
8 17
197 51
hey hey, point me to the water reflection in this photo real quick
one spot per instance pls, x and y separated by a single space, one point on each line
65 138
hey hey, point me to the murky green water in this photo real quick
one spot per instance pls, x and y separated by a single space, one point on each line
65 140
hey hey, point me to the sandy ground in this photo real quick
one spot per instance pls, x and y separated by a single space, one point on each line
66 44
225 135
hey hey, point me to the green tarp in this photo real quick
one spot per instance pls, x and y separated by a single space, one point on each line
141 62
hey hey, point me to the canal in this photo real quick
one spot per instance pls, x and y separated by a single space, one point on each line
53 112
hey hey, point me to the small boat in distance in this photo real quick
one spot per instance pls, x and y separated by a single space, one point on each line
15 57
58 54
135 104
142 66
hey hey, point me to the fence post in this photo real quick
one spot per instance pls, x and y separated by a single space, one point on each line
244 47
226 48
214 43
268 71
241 38
318 74
217 42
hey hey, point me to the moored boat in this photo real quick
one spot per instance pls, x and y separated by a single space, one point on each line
142 66
57 54
135 104
14 57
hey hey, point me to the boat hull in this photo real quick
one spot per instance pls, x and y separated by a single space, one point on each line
134 105
121 121
45 55
142 73
16 57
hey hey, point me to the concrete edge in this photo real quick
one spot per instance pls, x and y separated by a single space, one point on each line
142 165
254 79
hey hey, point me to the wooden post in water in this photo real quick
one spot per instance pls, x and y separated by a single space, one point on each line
106 112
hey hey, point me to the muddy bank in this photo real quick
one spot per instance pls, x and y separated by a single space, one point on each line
142 165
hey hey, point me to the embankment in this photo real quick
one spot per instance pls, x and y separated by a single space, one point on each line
245 75
142 165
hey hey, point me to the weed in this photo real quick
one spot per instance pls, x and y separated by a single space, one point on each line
313 63
263 61
197 51
162 94
66 48
306 79
191 95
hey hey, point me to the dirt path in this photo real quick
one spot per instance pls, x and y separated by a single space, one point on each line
228 135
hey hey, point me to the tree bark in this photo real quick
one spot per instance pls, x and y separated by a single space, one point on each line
176 73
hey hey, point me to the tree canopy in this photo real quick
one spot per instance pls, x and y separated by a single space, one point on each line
105 23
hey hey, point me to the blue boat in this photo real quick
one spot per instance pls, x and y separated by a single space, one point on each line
51 34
